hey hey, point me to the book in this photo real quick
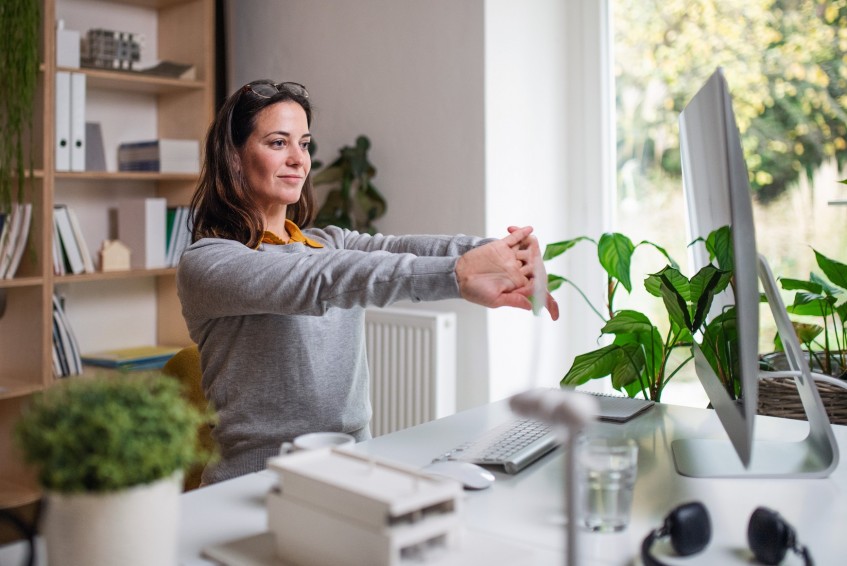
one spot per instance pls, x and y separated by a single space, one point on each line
70 247
162 155
142 228
87 261
134 358
20 242
171 69
13 238
65 341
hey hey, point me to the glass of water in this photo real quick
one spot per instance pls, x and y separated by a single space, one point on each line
606 470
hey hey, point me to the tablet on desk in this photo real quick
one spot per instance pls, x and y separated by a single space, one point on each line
620 409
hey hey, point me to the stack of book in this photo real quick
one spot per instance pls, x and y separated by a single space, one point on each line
163 156
137 358
14 232
70 251
66 358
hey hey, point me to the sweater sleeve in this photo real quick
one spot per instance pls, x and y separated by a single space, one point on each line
218 278
445 246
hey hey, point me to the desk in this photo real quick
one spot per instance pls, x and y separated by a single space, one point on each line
526 509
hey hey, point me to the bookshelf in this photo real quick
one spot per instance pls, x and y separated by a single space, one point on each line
113 309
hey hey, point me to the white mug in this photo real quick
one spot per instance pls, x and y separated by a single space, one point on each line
315 440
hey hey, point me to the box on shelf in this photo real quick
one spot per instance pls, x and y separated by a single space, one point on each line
162 155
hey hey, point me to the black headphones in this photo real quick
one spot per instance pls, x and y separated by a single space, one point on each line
690 529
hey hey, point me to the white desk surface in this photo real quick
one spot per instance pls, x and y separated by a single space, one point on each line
526 509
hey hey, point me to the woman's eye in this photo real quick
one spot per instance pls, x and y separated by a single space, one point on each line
278 143
304 146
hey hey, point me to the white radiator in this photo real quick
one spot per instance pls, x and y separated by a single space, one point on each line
412 361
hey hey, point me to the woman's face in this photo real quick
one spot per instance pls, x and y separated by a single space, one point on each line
275 158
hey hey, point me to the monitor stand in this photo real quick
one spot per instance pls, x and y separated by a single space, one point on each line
816 456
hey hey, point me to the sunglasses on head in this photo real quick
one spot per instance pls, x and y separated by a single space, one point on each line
267 90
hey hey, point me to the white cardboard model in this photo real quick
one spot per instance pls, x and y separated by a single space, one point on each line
336 507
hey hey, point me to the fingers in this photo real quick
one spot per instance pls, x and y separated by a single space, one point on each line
516 235
552 307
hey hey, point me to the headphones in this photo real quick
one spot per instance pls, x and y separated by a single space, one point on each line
690 529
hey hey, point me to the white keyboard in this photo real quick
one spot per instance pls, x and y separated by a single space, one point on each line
513 446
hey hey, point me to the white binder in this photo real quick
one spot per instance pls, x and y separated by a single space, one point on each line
62 144
77 121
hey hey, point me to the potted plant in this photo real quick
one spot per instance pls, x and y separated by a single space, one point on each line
354 203
19 36
109 452
638 359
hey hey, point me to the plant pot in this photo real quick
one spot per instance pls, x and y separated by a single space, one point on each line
778 397
138 526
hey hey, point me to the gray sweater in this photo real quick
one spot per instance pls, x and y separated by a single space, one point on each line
281 330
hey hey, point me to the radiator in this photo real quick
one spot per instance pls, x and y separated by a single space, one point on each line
412 361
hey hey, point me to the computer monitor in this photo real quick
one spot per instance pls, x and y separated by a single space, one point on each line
717 194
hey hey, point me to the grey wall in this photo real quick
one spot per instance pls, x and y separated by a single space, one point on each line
467 107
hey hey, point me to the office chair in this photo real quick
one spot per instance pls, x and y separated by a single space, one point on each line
185 366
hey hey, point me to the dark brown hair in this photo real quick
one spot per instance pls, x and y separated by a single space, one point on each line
223 205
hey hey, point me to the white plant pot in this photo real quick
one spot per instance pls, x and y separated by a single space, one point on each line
134 527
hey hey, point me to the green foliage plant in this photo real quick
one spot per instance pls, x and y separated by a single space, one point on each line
354 203
824 299
19 36
638 359
108 433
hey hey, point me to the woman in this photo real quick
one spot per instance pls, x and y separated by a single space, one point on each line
278 313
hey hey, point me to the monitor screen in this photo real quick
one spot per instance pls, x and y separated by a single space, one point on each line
720 220
717 198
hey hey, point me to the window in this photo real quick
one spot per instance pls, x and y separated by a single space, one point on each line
786 64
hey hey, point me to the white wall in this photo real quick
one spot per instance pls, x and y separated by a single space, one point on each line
465 104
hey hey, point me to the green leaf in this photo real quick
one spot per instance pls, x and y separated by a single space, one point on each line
798 284
826 286
554 282
593 365
558 248
719 339
834 270
719 245
811 304
674 289
627 321
705 284
615 253
629 367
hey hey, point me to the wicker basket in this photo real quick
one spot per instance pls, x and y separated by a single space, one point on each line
778 397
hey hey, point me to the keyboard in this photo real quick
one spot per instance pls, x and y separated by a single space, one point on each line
513 445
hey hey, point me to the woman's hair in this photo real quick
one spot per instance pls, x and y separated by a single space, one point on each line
223 206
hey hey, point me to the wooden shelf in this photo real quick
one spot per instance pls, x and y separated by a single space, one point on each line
179 30
125 176
21 282
134 82
113 275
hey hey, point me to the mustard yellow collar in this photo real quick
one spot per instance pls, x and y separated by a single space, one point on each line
294 233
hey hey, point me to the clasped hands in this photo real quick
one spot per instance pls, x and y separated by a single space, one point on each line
506 272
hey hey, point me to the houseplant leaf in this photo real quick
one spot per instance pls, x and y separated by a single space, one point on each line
630 366
558 248
799 284
834 270
593 365
705 284
674 289
615 253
